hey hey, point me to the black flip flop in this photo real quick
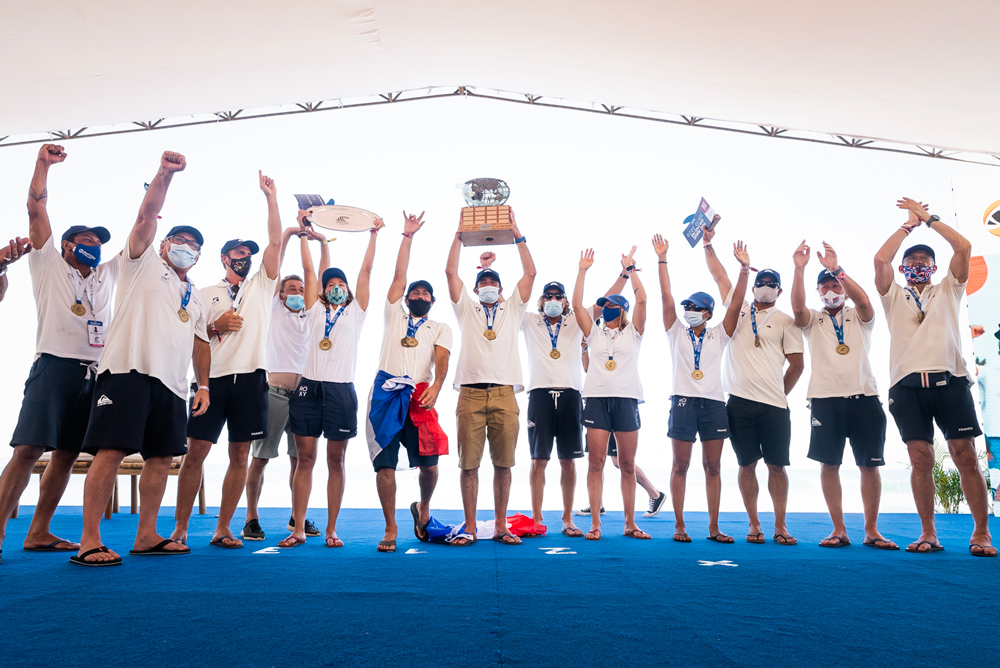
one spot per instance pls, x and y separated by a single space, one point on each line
917 550
158 551
51 547
387 543
880 544
82 559
499 538
982 551
417 526
842 541
719 536
219 542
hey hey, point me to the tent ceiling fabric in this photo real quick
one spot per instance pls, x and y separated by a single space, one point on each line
912 72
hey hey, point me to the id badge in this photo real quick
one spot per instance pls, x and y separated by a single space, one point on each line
95 333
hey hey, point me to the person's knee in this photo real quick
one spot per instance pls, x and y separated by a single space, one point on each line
713 468
681 465
774 470
963 454
197 451
538 465
830 469
567 465
257 465
30 453
627 467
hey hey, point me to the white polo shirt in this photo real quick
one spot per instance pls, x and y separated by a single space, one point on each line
930 346
833 374
757 374
287 339
244 351
713 347
481 360
147 335
417 363
543 370
337 364
56 286
623 382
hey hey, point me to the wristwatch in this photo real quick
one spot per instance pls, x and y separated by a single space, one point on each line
933 219
3 269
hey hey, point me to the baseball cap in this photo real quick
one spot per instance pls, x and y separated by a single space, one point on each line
235 243
554 286
701 300
190 230
615 300
487 273
919 248
420 284
764 273
102 233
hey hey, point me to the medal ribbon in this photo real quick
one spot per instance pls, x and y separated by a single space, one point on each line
187 295
84 287
697 346
611 344
491 314
753 318
838 328
411 329
554 337
330 323
917 300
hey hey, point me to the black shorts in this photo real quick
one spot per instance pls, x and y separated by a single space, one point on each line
324 409
612 446
56 405
611 413
554 415
695 416
836 419
136 413
916 409
759 430
409 438
238 401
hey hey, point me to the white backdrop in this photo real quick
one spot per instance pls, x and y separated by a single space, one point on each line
577 180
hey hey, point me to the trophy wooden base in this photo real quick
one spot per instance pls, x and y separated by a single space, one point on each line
486 226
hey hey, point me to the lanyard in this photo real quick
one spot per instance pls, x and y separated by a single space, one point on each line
554 337
84 287
753 320
697 346
330 323
610 338
187 295
491 314
920 318
837 327
411 329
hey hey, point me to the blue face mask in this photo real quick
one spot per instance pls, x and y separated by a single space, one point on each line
610 314
295 302
181 255
553 308
336 295
88 255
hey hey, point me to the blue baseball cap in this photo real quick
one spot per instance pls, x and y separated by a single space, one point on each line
701 300
554 286
331 274
236 243
615 300
825 275
764 273
487 273
190 230
102 233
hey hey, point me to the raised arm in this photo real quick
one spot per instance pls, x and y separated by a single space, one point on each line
961 258
801 258
660 247
851 287
639 312
286 236
411 224
310 283
455 285
715 265
884 271
39 228
365 275
274 250
583 317
144 230
528 264
739 292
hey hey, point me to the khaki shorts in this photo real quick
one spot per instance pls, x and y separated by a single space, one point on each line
277 426
487 414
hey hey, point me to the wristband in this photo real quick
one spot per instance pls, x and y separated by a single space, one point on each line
625 276
661 262
839 274
906 228
407 235
631 267
520 240
706 245
203 387
745 270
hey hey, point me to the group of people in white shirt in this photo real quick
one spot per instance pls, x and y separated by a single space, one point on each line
275 357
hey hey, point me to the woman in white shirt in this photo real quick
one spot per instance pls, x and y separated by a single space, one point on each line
612 392
325 402
697 403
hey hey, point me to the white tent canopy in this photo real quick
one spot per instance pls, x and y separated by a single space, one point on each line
911 72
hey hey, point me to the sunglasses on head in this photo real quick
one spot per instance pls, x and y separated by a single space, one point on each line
554 295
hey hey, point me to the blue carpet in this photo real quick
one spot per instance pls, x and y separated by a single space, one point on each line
618 601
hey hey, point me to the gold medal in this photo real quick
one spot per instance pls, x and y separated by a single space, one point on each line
490 334
697 374
610 365
409 342
920 318
183 315
554 354
756 341
78 309
325 344
843 349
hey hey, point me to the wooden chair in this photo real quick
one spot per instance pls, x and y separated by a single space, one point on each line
131 466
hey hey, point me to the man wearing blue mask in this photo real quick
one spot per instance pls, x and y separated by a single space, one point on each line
239 314
139 399
73 301
929 381
487 377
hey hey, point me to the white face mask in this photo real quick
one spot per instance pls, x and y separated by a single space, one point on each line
489 294
553 308
694 318
832 299
765 294
181 255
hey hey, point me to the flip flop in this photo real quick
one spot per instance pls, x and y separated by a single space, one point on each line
785 539
573 532
221 542
880 544
51 547
417 526
916 547
682 538
842 541
467 537
722 538
756 538
596 533
82 559
386 544
640 534
298 541
158 551
982 550
335 541
500 538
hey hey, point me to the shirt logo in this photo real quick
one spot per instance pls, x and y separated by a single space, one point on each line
104 401
817 423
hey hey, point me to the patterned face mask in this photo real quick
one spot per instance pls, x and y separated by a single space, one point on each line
917 274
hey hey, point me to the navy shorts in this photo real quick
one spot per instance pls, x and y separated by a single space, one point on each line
56 405
836 419
239 401
324 409
916 409
409 438
611 413
136 413
612 446
554 416
758 430
695 416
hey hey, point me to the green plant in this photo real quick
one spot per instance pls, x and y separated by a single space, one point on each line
948 487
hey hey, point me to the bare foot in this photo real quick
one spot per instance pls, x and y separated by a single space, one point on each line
333 541
293 540
49 541
106 554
